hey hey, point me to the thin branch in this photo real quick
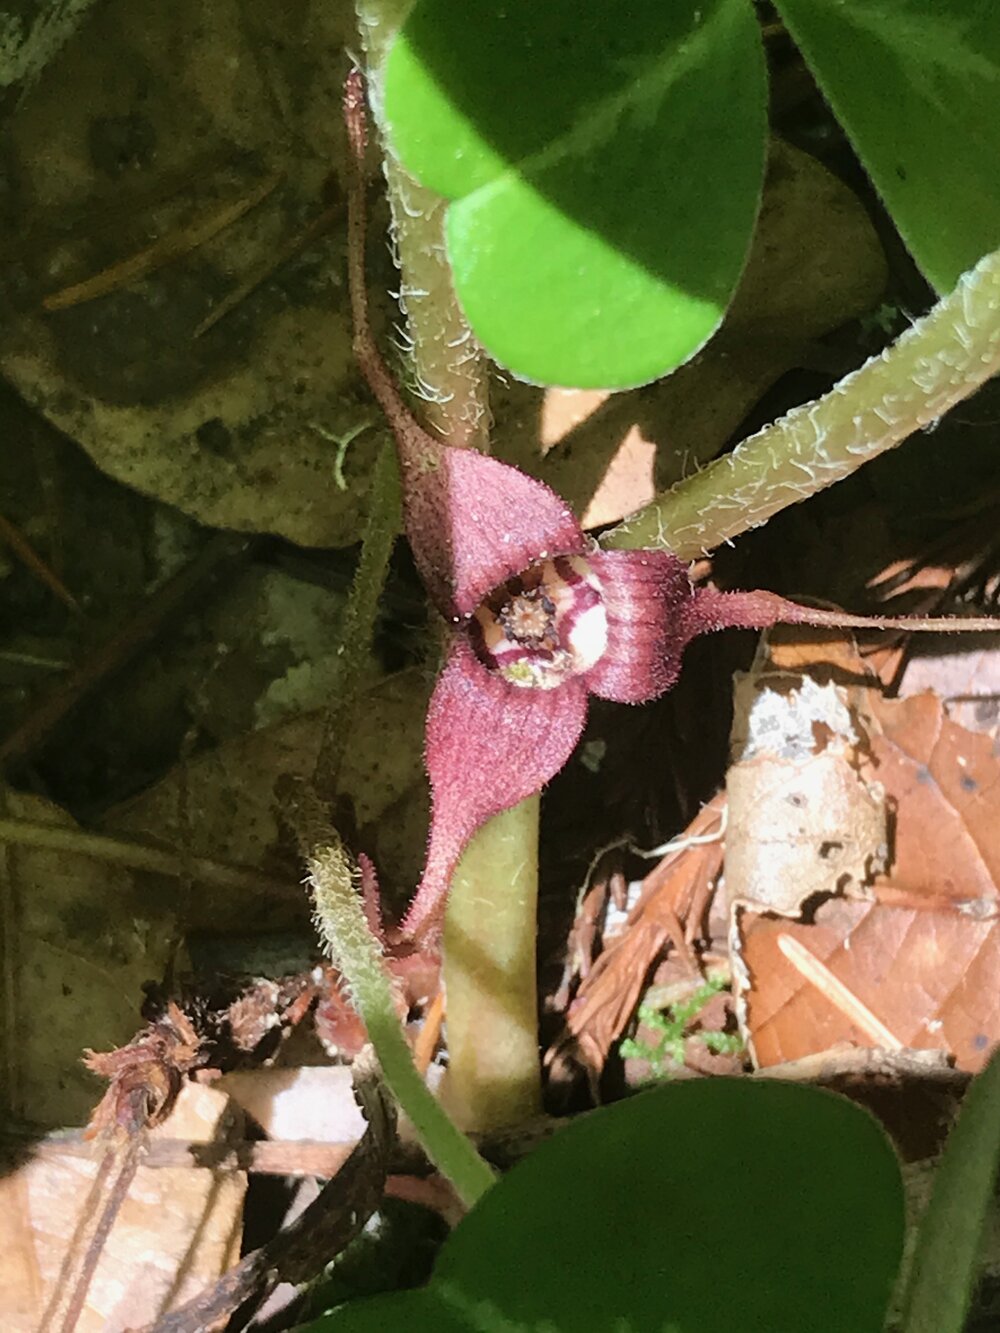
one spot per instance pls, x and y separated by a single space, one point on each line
164 250
329 1223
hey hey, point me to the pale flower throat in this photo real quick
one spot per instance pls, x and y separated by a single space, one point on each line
544 626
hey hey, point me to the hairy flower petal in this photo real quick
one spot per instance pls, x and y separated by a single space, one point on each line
474 522
489 745
647 599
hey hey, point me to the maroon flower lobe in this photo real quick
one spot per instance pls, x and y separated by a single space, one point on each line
489 744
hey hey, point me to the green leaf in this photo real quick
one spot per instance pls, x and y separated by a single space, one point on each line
916 84
605 166
699 1207
945 1260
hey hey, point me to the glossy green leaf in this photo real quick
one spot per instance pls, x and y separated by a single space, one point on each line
946 1258
699 1207
916 85
605 165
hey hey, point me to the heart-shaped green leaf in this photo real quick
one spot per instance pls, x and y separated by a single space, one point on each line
605 165
695 1208
916 84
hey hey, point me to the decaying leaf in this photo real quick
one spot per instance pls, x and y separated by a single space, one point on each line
179 116
803 822
919 965
178 1229
610 990
85 939
90 934
222 804
965 675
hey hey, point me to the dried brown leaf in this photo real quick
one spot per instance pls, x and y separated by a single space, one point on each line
924 959
222 804
607 996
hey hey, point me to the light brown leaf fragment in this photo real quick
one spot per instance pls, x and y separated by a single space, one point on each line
178 1228
945 782
223 802
933 978
802 821
233 427
966 676
79 943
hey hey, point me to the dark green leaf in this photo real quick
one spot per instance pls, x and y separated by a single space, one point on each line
943 1272
916 84
701 1207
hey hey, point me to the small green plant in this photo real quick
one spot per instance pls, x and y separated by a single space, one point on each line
670 1028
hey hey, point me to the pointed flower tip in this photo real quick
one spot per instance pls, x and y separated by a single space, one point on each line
489 745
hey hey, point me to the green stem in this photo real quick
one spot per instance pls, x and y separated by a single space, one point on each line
935 364
448 366
492 1079
947 1258
343 925
450 371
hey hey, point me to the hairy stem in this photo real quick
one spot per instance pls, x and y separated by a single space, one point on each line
939 361
354 949
447 365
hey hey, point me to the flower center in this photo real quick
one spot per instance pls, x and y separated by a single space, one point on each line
544 626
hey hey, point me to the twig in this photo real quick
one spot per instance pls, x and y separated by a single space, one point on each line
104 1200
813 970
26 553
333 1220
259 275
164 250
279 1157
